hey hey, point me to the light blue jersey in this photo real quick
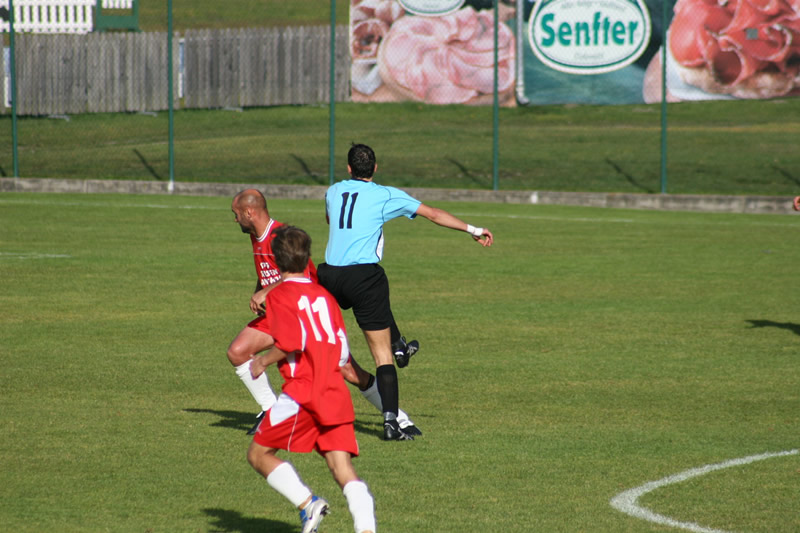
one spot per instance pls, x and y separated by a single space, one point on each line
357 210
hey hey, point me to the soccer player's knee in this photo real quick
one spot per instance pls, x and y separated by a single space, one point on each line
253 456
236 355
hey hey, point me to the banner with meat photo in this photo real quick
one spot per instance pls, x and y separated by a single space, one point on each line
432 51
729 49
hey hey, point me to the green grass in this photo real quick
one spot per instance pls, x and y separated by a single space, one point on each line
588 352
239 14
742 147
713 148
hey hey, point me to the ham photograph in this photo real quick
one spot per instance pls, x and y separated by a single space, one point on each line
447 59
730 48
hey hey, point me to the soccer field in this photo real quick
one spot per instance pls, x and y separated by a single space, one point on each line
587 353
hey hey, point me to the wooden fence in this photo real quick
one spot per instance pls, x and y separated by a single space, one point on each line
127 72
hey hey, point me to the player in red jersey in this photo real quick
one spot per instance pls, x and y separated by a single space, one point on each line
314 410
250 210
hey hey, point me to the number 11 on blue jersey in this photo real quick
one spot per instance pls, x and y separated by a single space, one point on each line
345 197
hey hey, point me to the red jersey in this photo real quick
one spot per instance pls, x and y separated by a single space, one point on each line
308 325
266 269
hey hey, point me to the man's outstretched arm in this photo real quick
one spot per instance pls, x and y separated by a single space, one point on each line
448 220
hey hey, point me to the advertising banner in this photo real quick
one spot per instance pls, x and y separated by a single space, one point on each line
433 51
587 51
730 49
575 51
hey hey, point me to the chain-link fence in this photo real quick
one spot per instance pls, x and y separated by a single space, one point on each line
453 93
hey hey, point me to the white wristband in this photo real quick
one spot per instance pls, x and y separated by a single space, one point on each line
476 232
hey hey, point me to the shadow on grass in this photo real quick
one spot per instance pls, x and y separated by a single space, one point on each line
629 177
229 419
369 429
313 175
147 165
244 421
224 520
786 174
369 423
790 326
467 173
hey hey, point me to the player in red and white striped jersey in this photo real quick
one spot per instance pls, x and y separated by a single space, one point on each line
314 412
250 210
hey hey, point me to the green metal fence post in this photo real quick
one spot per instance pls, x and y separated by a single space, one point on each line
664 98
332 91
13 68
496 104
171 106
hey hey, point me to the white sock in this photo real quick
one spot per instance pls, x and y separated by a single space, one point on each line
361 505
374 397
259 387
285 480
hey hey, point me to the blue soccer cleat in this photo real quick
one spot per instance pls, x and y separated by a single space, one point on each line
312 514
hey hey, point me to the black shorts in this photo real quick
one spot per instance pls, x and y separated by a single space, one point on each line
365 288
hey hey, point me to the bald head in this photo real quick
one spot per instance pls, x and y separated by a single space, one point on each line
251 198
250 208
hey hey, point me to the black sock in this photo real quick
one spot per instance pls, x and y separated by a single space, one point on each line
394 331
388 389
369 383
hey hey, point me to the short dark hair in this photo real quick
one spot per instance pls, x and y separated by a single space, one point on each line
361 159
291 247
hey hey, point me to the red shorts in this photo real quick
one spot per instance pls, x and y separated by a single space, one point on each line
287 426
261 324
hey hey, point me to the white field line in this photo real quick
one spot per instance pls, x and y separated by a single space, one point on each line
312 211
102 204
626 502
32 255
591 220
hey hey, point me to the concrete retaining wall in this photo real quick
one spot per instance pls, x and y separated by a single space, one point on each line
671 202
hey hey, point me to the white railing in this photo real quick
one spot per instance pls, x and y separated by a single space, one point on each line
117 4
51 16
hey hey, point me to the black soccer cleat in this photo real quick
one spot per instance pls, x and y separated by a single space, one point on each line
403 351
392 431
411 430
254 429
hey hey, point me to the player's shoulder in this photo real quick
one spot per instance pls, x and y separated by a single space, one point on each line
305 285
399 194
394 191
343 184
299 284
377 190
293 289
283 296
270 231
278 291
273 225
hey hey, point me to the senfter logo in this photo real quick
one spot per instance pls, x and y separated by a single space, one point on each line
431 8
589 36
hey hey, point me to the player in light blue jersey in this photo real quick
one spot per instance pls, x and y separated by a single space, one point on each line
356 210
